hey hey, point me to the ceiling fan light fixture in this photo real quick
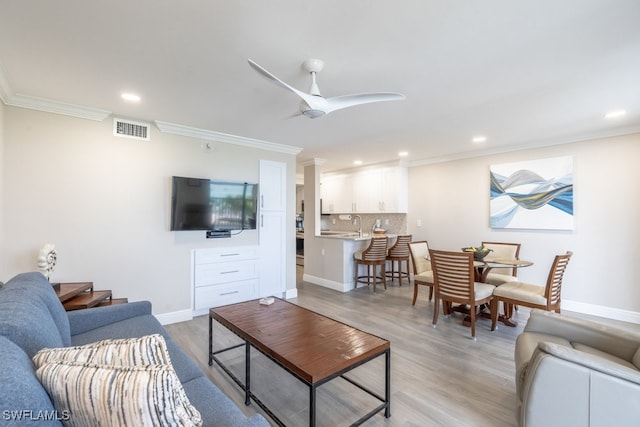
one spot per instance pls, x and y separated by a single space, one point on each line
313 104
313 114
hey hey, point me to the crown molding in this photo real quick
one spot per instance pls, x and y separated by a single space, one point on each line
41 104
34 103
224 137
629 130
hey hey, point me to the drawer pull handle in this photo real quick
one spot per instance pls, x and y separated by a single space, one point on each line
229 293
229 254
229 272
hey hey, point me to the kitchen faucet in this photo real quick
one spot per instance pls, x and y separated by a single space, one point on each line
359 224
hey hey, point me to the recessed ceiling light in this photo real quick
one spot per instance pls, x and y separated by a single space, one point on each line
615 114
131 97
403 153
479 139
357 162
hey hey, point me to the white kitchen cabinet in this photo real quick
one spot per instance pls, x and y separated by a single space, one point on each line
395 190
375 190
336 192
367 191
223 276
272 228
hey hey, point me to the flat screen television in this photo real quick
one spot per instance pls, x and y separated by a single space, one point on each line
203 204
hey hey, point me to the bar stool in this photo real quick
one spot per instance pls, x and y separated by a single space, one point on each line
373 257
399 253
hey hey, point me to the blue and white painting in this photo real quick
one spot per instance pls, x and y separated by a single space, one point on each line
536 194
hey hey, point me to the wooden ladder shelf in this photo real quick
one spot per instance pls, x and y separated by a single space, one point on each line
80 295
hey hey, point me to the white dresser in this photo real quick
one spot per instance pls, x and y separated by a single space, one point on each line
224 276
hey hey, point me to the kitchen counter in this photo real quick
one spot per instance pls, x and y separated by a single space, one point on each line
346 235
329 258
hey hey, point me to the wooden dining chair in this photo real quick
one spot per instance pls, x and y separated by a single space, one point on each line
422 272
373 257
399 253
455 283
500 250
530 295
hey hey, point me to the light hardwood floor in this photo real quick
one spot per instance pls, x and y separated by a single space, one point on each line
439 377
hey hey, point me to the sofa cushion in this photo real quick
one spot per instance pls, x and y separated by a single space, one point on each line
603 354
115 395
636 359
142 351
27 322
23 400
35 285
185 367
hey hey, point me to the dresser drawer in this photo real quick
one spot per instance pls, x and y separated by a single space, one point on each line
211 274
214 296
224 255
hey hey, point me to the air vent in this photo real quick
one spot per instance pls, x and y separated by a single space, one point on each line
129 129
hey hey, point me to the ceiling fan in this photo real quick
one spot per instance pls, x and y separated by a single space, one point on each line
313 104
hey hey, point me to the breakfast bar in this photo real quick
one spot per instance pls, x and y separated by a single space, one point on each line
333 252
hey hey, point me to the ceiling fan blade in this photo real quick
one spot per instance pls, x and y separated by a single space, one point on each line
305 96
339 102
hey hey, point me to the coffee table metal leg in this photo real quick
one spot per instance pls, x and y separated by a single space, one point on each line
210 340
312 406
247 373
387 383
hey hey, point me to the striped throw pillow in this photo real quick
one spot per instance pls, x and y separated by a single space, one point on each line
149 350
146 350
102 395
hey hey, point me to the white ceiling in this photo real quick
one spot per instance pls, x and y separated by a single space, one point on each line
522 73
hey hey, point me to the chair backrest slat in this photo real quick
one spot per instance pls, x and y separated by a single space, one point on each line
377 250
400 248
554 281
453 274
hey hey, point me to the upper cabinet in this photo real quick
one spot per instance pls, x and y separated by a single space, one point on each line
376 190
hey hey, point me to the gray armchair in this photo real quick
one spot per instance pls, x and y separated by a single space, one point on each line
574 372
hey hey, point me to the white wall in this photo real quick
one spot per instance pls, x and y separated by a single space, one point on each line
452 201
104 201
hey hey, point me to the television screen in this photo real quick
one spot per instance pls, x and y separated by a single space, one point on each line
234 205
202 204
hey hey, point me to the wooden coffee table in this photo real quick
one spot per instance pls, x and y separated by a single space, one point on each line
312 347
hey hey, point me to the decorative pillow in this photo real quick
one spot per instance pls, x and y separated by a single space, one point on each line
146 350
115 396
129 352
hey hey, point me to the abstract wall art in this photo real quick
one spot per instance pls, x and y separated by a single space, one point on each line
535 194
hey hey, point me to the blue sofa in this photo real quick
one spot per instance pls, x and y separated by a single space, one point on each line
32 318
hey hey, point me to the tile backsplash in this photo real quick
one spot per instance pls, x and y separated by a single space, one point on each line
393 223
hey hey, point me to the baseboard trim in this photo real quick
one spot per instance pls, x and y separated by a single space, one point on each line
320 281
601 311
174 317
